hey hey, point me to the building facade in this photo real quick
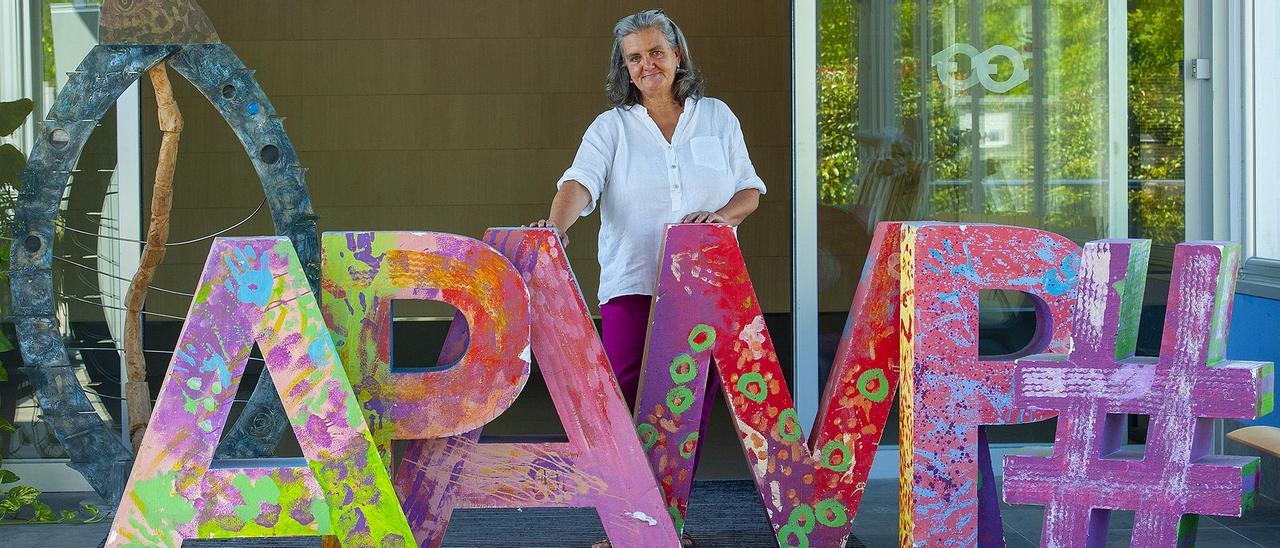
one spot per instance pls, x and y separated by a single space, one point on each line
1092 119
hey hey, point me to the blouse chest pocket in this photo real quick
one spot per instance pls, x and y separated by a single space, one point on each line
707 152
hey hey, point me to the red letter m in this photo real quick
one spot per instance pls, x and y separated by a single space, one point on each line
917 304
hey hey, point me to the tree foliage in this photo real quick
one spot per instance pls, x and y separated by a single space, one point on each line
1070 143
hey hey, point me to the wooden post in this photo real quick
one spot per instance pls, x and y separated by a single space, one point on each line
137 391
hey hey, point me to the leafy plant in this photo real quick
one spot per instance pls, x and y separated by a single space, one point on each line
12 161
17 498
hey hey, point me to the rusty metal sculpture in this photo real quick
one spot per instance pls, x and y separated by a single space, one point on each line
155 22
136 36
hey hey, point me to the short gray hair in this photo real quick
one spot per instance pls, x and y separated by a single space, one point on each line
618 86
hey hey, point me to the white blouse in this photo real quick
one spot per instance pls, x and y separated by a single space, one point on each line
642 182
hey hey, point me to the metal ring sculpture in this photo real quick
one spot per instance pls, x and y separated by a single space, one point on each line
96 450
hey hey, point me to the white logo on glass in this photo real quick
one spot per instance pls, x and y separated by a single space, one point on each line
983 69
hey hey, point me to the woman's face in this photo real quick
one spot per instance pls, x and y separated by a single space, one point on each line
651 61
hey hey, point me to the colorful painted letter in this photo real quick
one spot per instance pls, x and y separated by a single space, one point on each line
947 391
810 488
602 465
364 271
864 375
706 307
253 290
1100 382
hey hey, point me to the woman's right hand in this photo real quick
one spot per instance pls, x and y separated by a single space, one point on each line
547 223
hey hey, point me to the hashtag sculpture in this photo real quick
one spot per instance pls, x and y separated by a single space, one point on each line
1100 381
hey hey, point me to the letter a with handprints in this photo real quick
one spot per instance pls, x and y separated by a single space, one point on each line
1100 382
252 292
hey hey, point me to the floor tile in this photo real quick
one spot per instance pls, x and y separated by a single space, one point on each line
1266 512
1212 538
722 514
1264 536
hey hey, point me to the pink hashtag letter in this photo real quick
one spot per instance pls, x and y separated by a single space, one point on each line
1100 381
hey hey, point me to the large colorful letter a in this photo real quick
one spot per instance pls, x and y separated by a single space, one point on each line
601 466
253 290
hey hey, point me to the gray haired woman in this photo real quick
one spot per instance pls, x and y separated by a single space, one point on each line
665 153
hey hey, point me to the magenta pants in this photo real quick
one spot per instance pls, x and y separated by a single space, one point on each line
624 322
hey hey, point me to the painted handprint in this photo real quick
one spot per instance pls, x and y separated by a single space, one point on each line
342 488
195 394
1056 281
217 364
946 261
251 280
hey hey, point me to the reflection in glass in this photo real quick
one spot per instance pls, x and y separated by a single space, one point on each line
85 256
995 112
1157 152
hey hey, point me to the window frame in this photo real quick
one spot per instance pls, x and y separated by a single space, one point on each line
22 54
1238 137
1215 190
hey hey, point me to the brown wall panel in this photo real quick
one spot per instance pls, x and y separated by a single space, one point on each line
457 116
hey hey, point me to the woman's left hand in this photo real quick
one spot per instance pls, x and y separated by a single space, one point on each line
704 217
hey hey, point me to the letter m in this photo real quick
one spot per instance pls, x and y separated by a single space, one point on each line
706 308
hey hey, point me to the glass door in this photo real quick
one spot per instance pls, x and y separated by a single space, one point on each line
97 228
1064 115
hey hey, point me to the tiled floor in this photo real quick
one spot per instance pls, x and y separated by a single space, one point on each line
723 514
876 528
1259 527
725 511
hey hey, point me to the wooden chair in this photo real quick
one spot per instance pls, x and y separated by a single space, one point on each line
1262 438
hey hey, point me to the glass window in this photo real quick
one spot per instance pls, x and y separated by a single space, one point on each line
86 257
1265 231
995 112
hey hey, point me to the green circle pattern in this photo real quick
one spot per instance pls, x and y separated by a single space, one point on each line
802 517
690 374
702 329
792 530
756 379
676 518
882 386
679 399
839 514
788 426
692 437
648 435
831 448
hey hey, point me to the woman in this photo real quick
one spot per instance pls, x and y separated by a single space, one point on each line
664 153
